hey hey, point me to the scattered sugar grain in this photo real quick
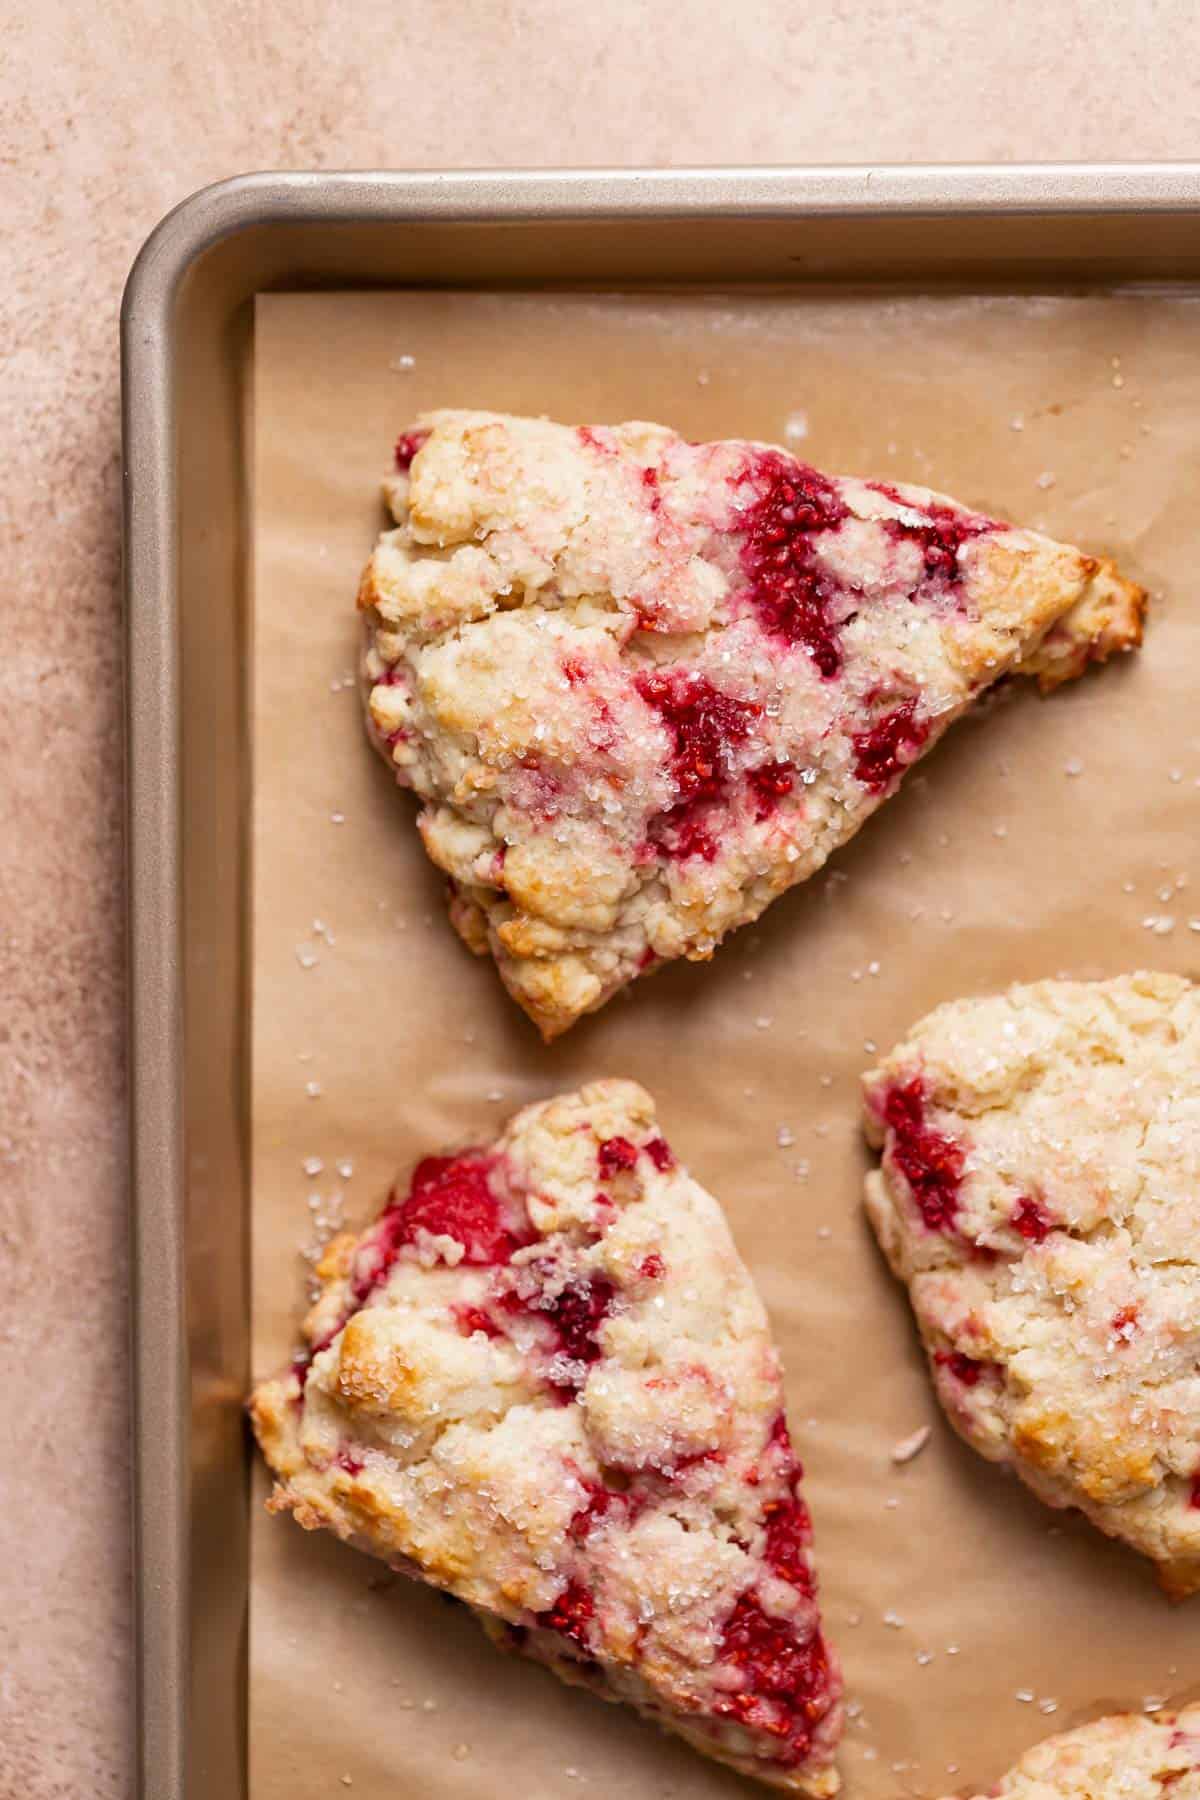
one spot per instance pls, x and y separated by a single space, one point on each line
402 364
429 1706
785 1137
337 818
703 378
1047 1706
894 1621
1016 423
796 427
345 1168
1072 766
306 956
763 1023
907 1447
1046 479
1174 774
1153 1703
924 1658
313 1089
872 968
1025 1695
312 1165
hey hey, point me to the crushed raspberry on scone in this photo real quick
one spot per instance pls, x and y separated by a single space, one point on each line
1037 1193
544 1382
641 686
1131 1756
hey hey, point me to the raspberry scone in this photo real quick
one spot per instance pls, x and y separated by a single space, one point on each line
1128 1757
1038 1196
543 1381
642 686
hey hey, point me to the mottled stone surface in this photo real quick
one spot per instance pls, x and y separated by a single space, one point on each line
104 124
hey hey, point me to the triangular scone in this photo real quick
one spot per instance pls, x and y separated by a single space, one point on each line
544 1382
642 686
1131 1756
1039 1195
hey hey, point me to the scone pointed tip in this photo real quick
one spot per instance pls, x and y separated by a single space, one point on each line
1108 620
1180 1580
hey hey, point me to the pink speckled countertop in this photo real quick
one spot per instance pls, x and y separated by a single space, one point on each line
100 132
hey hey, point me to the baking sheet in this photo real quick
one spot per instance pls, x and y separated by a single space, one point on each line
1041 837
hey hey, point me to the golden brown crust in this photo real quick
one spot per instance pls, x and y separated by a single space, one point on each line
1108 619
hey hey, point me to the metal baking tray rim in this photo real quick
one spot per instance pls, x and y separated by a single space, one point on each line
152 569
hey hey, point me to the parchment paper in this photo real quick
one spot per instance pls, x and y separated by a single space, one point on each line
1038 839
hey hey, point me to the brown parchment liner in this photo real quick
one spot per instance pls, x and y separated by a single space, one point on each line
1036 840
